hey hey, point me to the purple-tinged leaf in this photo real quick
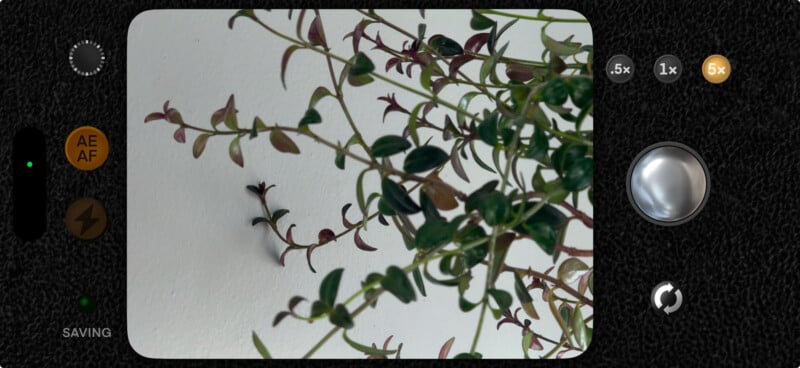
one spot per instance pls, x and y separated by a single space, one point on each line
235 151
279 317
282 142
519 72
358 33
154 116
476 42
456 163
248 13
316 35
326 235
174 117
294 301
361 244
561 353
345 222
231 120
289 238
285 61
309 250
505 320
458 62
445 350
386 343
166 106
393 105
535 343
282 259
583 282
218 117
438 85
392 62
428 107
299 29
180 135
382 220
200 144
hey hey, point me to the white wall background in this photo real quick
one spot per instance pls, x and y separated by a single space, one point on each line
200 278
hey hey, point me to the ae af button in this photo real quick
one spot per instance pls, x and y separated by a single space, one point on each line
86 148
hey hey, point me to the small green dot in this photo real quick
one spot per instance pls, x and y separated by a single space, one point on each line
30 164
86 304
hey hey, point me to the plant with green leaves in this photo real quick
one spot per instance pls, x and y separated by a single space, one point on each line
534 119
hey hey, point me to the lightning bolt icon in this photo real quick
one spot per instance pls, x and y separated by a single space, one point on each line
87 219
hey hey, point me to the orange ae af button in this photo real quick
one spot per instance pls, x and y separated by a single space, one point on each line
86 148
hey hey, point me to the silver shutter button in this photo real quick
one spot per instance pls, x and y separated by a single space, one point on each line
668 183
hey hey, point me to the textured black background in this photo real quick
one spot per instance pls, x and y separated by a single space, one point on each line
737 262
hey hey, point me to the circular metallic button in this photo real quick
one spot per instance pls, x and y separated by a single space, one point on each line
86 219
87 58
666 298
668 183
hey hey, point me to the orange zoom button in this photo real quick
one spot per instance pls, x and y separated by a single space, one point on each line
86 148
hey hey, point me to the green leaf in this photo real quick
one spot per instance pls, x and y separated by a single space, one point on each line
539 146
445 46
341 317
466 305
555 92
502 298
468 356
310 117
361 65
581 91
475 198
397 198
258 220
579 328
560 48
389 145
282 142
428 207
412 122
567 155
418 281
463 104
397 283
278 214
579 176
425 77
424 158
591 283
200 145
319 94
362 204
538 180
385 209
434 233
471 234
545 226
330 286
339 160
571 270
247 13
235 152
319 308
487 130
522 292
364 348
480 22
526 343
502 243
490 64
494 208
230 114
260 347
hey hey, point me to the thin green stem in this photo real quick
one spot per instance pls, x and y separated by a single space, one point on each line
540 17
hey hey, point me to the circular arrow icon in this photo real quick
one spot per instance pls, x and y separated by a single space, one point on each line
666 298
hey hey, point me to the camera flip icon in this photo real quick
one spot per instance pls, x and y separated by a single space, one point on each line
666 298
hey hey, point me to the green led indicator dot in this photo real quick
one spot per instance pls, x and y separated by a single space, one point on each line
29 164
86 304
